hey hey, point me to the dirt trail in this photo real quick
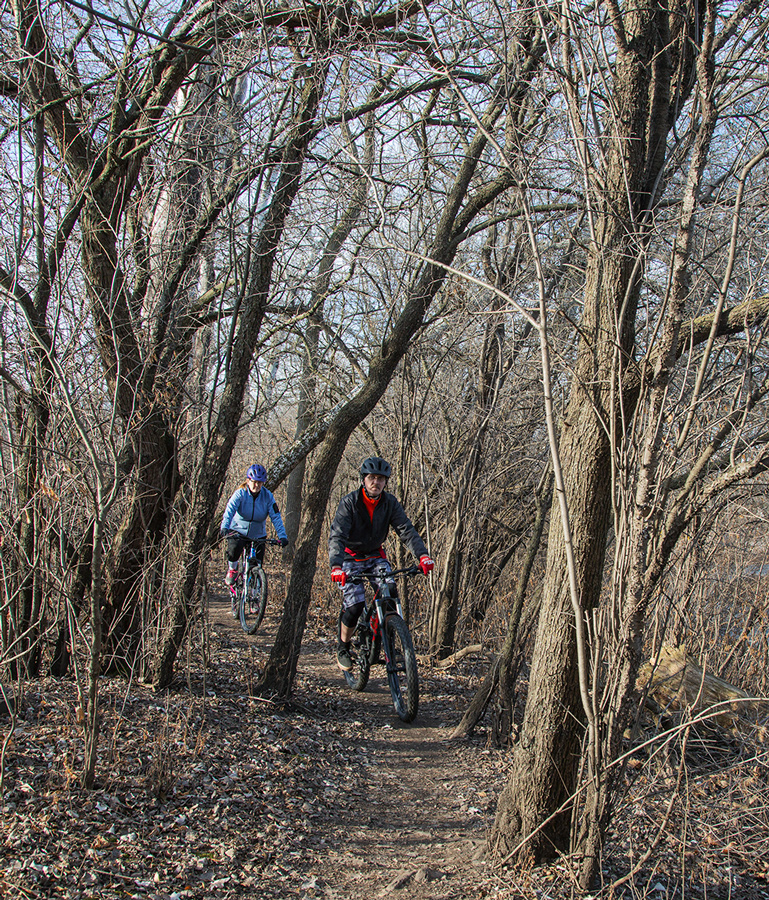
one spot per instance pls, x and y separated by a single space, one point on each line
210 790
412 818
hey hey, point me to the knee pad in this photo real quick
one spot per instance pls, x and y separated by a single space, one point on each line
351 615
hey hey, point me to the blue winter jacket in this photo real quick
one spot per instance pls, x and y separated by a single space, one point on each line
247 513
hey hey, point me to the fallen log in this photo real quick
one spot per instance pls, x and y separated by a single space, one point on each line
450 660
675 681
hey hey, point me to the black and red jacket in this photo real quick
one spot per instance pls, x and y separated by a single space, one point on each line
357 534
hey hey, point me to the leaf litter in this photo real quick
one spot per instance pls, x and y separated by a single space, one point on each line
207 790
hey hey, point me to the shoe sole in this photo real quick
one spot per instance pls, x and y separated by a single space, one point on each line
344 668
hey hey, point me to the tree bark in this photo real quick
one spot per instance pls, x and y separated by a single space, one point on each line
308 386
212 469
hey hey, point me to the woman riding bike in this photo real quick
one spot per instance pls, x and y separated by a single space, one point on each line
244 521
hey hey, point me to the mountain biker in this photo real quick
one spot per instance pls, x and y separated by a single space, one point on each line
244 522
358 531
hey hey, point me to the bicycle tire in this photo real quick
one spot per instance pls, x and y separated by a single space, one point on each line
357 677
402 675
253 600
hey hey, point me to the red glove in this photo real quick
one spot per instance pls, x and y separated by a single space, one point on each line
339 576
425 564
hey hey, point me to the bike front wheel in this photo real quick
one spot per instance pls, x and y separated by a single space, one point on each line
253 601
402 675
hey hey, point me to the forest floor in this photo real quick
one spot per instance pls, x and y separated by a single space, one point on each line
209 791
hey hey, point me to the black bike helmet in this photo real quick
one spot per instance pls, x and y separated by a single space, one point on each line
375 465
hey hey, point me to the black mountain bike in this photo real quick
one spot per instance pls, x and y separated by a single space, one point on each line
251 588
381 630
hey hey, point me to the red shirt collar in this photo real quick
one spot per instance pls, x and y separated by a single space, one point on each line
369 503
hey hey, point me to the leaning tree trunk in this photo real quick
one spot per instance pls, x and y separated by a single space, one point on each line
460 209
278 676
280 670
212 470
308 379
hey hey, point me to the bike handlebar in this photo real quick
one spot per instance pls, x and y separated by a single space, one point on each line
372 576
275 542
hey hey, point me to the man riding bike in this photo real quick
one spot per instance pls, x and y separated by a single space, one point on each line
359 530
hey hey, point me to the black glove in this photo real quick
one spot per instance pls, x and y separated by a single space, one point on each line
284 542
223 532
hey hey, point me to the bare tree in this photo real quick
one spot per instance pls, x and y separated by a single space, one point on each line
308 399
659 58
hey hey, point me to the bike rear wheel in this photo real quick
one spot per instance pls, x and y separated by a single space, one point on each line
402 675
253 600
360 647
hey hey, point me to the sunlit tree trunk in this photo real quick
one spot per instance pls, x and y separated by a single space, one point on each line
548 748
533 814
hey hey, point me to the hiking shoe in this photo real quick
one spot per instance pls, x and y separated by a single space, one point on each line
232 577
343 659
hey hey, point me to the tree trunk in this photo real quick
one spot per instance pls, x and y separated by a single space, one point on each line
460 209
280 670
33 416
308 386
533 815
136 545
82 560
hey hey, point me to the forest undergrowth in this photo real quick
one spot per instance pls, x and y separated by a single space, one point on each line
206 790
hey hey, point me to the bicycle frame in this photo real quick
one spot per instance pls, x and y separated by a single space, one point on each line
249 557
381 596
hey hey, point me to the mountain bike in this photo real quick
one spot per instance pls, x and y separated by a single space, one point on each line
381 629
251 587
